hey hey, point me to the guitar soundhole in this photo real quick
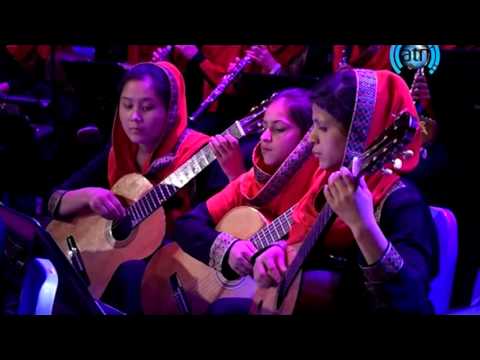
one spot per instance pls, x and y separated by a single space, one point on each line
121 228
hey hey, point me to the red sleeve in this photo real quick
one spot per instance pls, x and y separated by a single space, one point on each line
140 53
287 53
213 72
216 60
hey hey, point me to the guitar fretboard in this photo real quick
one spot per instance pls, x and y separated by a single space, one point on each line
389 144
274 231
324 219
154 199
149 203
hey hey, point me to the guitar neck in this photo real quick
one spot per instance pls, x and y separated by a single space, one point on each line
387 146
274 231
155 198
199 161
323 222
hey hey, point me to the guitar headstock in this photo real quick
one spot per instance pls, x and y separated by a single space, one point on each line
252 123
390 146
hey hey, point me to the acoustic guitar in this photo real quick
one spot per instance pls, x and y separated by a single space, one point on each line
282 300
104 244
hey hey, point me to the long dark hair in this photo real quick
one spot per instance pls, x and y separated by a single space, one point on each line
299 106
336 95
158 77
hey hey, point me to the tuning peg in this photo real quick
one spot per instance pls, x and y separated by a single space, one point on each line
407 154
397 164
387 171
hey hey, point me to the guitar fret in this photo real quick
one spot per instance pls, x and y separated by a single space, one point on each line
131 216
187 172
284 229
174 179
155 192
279 236
151 205
170 190
136 216
137 212
133 220
162 188
143 209
204 155
183 178
132 209
191 168
196 165
197 160
263 240
152 201
268 235
209 155
232 130
273 231
256 241
147 205
260 239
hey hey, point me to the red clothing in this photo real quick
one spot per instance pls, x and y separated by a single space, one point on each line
217 59
24 52
392 96
374 57
243 190
122 156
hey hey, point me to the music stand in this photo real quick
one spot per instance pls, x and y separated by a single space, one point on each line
26 239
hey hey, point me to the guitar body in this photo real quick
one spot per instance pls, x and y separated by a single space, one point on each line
265 299
202 284
100 252
312 292
103 249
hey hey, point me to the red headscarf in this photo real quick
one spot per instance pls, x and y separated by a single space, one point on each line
122 156
391 97
244 189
